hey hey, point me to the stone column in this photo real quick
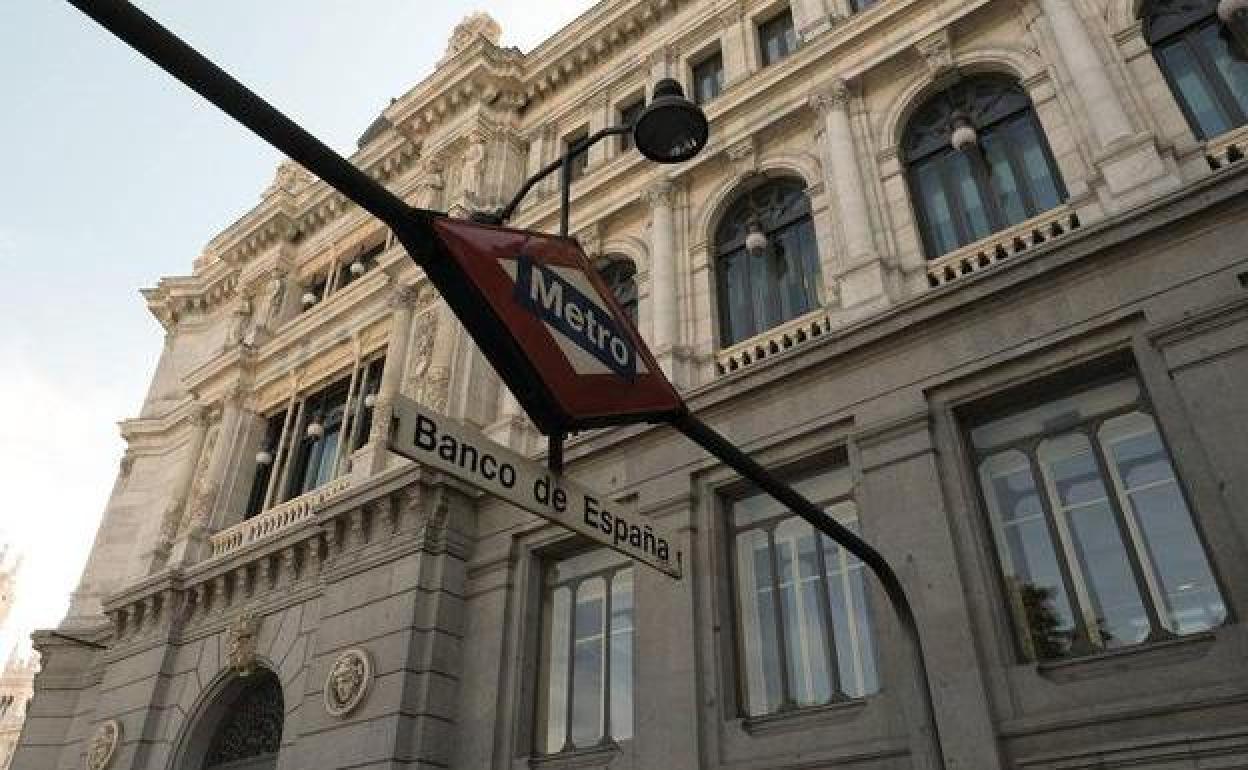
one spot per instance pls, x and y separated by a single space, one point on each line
205 493
599 107
861 276
1104 108
664 307
401 301
1130 162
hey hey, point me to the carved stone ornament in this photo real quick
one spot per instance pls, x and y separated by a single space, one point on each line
103 745
475 25
240 643
937 52
347 682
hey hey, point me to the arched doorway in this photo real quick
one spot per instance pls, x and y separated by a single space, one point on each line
240 728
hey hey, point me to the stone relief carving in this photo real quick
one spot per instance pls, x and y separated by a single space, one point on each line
103 745
421 355
203 490
348 681
937 52
240 642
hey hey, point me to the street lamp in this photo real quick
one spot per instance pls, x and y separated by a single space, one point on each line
671 129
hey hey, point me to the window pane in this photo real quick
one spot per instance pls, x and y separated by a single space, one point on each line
622 655
735 308
970 196
1037 593
798 572
587 662
1080 499
996 146
759 641
708 78
1058 414
777 38
855 649
1233 71
1190 600
939 231
1177 60
553 709
1042 177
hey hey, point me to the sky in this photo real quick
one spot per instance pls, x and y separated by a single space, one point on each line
114 175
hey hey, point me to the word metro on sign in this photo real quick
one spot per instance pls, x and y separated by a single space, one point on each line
436 441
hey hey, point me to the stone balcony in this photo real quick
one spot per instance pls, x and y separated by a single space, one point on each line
284 551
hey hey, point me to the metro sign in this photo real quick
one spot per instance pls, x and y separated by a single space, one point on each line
551 327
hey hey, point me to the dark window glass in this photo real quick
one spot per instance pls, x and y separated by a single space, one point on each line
757 292
776 38
580 164
1006 177
367 258
708 78
1095 540
1193 49
629 113
862 5
317 453
364 406
264 471
620 275
252 726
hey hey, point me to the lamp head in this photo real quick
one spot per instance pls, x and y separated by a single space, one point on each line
671 129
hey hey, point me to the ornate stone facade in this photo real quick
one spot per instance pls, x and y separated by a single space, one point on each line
257 482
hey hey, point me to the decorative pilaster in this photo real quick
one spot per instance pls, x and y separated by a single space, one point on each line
734 44
401 304
811 18
860 277
664 307
1129 161
170 522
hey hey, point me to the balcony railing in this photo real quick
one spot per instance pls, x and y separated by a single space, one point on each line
774 341
277 519
1002 246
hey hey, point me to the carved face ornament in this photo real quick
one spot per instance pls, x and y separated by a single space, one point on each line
347 681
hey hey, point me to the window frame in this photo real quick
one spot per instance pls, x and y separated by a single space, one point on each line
792 43
1186 35
544 562
828 460
580 164
1052 388
635 105
715 53
940 161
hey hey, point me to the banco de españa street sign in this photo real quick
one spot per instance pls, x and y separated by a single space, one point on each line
436 441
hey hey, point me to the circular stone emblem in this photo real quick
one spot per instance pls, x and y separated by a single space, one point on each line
103 745
347 681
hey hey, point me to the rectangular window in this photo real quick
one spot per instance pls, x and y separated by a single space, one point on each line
628 114
580 164
585 692
805 634
861 5
776 38
361 263
708 78
1094 536
266 458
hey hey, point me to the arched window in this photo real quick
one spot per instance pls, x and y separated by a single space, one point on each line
620 275
251 727
1000 172
766 261
1193 49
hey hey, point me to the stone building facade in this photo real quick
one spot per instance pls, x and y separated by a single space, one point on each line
18 673
968 272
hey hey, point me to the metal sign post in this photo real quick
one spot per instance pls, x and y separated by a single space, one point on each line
458 257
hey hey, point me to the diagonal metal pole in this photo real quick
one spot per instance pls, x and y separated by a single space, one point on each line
412 226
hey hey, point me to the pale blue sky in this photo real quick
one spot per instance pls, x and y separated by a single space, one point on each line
113 175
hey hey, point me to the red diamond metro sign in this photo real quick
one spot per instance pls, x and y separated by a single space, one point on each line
539 299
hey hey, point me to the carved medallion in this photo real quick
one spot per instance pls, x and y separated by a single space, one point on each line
347 681
103 745
240 641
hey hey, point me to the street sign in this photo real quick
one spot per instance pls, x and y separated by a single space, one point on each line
537 298
437 441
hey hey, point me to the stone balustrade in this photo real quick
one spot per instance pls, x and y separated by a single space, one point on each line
1227 150
278 518
400 508
1001 246
780 339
